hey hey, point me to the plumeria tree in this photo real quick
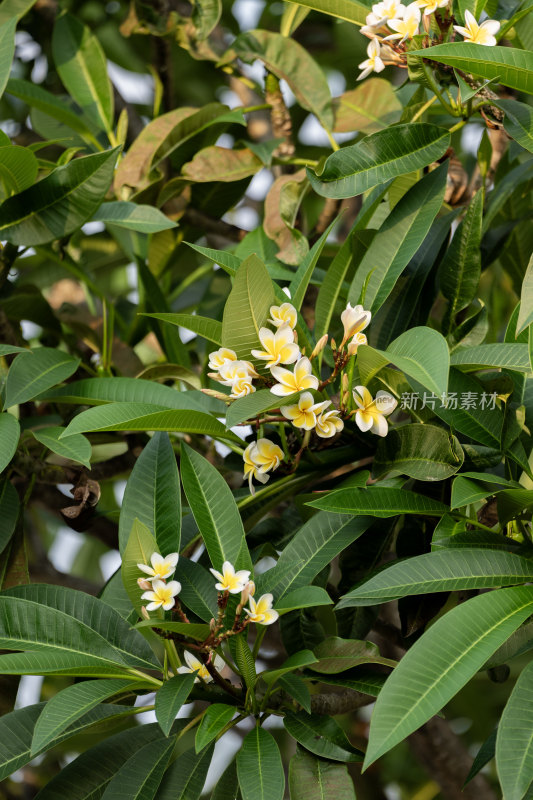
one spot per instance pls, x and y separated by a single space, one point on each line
266 318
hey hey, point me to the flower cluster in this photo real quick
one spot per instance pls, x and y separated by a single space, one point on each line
160 593
390 21
231 371
232 582
261 457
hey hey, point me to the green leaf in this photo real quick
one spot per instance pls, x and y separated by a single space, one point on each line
9 438
460 269
215 511
139 547
60 203
8 349
153 496
18 169
525 316
442 571
304 273
445 657
146 417
304 597
336 655
514 740
82 67
14 8
170 698
140 776
313 547
56 617
33 373
185 778
7 50
469 487
133 217
348 10
288 60
424 452
194 630
507 356
398 239
354 169
68 705
56 662
9 507
260 768
228 261
227 787
77 447
247 307
379 501
210 329
197 588
213 722
483 756
297 688
518 122
245 408
299 660
508 65
321 736
312 778
370 107
244 660
216 163
87 777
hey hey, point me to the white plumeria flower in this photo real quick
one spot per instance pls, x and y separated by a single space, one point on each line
407 26
242 385
162 595
280 347
388 9
161 568
371 413
261 612
357 340
373 63
430 6
354 318
285 314
259 458
290 382
478 34
328 423
373 24
219 357
229 580
303 414
195 665
232 371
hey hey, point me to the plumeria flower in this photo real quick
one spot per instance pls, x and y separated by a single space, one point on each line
261 612
162 595
161 568
290 382
232 371
388 9
285 314
242 385
303 414
373 24
430 6
328 423
478 34
219 357
193 664
229 580
354 318
357 340
373 63
407 26
280 347
371 413
259 458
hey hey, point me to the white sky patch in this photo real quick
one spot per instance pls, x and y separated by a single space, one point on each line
260 184
225 140
255 71
228 98
336 82
247 13
65 548
29 691
109 563
313 133
118 490
135 87
29 329
287 93
471 138
40 69
27 48
94 226
243 217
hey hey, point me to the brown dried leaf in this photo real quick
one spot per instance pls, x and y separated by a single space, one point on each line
281 208
221 164
370 107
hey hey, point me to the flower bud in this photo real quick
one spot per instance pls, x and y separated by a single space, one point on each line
248 590
320 345
345 382
218 395
143 584
212 624
144 613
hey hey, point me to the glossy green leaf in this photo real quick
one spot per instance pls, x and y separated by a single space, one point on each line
60 203
152 496
55 661
253 405
77 447
139 778
525 316
194 630
7 50
215 511
321 736
82 67
469 487
9 438
379 501
354 169
227 787
442 571
298 660
213 723
8 349
518 121
445 657
247 307
14 8
260 768
337 655
398 239
68 705
185 778
304 273
304 597
197 588
297 688
146 417
514 740
348 10
32 373
424 452
9 509
210 329
483 756
244 660
18 169
312 778
508 65
138 549
133 217
507 356
170 698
